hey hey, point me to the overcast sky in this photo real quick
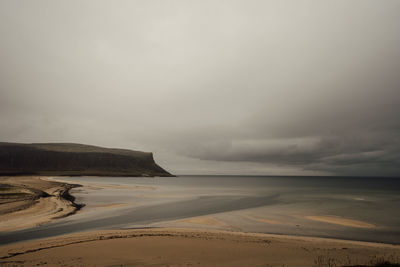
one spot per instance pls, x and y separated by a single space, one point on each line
211 87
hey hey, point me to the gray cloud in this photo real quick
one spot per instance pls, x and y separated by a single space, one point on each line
257 87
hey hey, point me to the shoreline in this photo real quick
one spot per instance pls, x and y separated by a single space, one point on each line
175 246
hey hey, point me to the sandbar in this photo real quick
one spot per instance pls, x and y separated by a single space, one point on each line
30 201
341 221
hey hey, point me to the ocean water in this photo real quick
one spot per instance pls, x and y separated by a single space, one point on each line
357 208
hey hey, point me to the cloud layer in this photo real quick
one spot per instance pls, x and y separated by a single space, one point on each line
226 87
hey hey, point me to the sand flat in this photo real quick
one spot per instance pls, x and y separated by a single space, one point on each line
186 247
94 185
264 220
341 221
205 220
31 201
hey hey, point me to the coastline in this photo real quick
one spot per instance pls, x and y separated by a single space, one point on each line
52 200
170 244
29 201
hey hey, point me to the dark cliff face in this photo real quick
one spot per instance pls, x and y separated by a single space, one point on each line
75 159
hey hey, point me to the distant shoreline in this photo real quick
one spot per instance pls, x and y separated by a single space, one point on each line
289 176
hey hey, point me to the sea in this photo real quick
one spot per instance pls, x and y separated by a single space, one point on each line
350 208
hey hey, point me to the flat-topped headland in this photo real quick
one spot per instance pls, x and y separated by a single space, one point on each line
68 159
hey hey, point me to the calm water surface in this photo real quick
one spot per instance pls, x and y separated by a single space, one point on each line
279 205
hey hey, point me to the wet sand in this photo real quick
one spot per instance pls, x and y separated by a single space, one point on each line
94 185
30 201
341 221
188 247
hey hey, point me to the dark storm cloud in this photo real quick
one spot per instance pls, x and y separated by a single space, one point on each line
333 154
355 134
257 87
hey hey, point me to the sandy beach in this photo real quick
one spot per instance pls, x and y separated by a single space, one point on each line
190 247
30 201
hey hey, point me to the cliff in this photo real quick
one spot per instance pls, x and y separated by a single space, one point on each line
67 159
